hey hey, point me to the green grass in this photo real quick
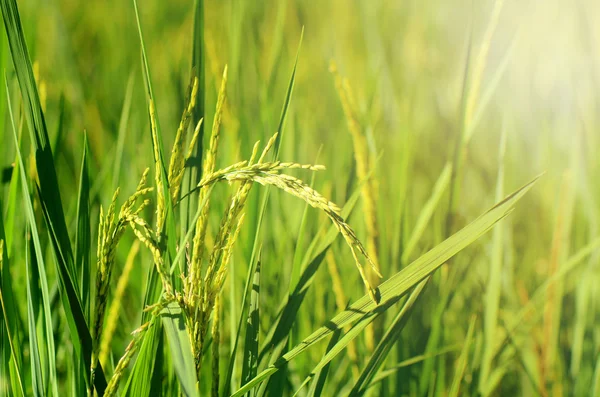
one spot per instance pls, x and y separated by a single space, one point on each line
207 277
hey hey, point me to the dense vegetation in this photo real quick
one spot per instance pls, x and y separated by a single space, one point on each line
321 198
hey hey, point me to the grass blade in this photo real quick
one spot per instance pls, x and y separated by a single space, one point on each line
250 362
40 272
492 298
462 361
10 322
138 384
37 376
82 252
288 99
427 212
181 350
411 361
387 342
320 376
83 236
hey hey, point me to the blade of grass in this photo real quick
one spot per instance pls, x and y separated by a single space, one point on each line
395 287
37 376
36 121
192 178
123 121
354 332
82 253
83 236
288 99
180 348
411 361
320 376
427 212
462 360
250 361
40 270
387 342
492 297
11 213
249 279
138 384
10 320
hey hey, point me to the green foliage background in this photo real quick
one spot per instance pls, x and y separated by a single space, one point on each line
421 82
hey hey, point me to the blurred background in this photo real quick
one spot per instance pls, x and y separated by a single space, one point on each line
470 86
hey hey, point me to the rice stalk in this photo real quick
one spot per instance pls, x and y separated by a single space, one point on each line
193 279
109 234
194 139
363 163
177 162
161 209
147 237
268 174
203 303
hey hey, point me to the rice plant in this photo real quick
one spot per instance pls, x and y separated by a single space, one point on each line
174 176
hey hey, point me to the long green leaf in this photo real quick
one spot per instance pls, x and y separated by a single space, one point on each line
250 361
40 272
411 361
82 253
319 378
492 298
198 69
83 236
139 383
387 342
10 321
37 376
462 361
427 212
181 350
390 291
